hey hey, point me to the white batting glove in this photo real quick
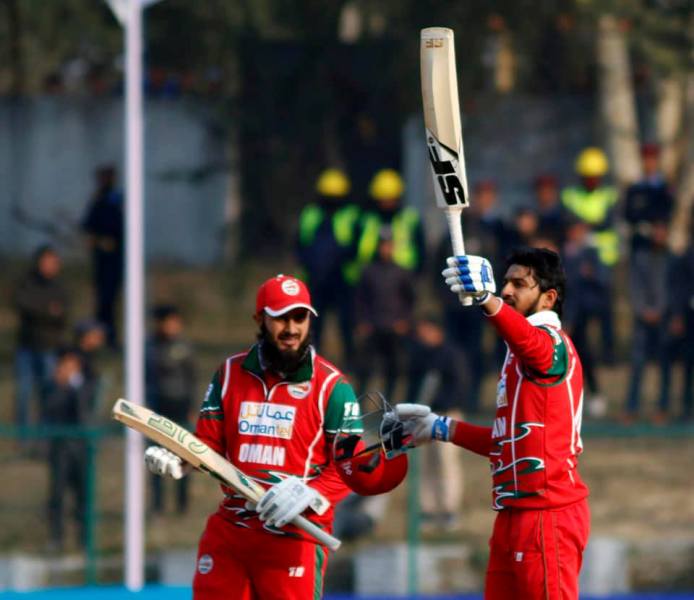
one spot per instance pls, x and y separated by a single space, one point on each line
422 424
162 462
286 500
471 276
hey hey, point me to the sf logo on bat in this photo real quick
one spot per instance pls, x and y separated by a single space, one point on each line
446 175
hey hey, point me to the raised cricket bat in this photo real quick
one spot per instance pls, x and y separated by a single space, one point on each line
443 131
186 446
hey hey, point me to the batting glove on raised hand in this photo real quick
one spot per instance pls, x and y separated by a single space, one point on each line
286 500
422 424
162 462
470 276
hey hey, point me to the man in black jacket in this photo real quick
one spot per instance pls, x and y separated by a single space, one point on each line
170 375
103 224
41 302
385 299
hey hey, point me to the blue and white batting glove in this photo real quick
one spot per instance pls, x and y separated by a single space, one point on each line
470 276
423 425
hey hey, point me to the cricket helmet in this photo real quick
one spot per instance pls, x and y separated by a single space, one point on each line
386 185
369 449
333 183
592 162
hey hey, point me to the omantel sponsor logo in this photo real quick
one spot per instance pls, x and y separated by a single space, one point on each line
267 419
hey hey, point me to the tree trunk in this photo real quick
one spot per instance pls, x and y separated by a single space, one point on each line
616 97
669 125
681 223
351 23
505 72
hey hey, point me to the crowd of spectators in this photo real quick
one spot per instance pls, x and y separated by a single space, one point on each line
368 261
58 357
605 237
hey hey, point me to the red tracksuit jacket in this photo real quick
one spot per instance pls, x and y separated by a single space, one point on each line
534 443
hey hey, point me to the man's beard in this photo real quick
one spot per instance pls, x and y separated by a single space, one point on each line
531 310
283 362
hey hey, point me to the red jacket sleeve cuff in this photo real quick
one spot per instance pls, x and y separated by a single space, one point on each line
475 438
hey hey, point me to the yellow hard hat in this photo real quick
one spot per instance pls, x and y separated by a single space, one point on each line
333 183
386 185
592 162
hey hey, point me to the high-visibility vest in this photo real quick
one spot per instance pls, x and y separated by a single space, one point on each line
593 207
343 225
403 226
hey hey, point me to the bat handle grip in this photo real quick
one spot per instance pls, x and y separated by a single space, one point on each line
316 532
455 229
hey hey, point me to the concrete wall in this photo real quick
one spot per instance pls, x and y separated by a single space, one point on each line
49 147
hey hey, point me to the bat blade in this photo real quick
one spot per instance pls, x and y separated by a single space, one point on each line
443 130
442 117
192 450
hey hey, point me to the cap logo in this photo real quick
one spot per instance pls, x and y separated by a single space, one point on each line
290 287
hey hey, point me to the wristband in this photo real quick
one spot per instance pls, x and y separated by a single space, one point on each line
482 298
439 430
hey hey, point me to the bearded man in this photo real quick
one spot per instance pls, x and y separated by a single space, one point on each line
273 411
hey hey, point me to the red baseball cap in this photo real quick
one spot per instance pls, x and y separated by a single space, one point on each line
282 293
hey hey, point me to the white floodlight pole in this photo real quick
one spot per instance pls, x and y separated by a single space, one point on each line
129 14
134 287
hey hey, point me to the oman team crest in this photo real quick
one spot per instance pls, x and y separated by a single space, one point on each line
299 390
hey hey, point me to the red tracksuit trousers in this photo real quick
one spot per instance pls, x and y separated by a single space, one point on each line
537 554
249 564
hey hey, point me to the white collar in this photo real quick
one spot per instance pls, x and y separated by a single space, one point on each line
545 317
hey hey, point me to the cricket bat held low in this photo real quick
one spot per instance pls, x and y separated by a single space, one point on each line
192 450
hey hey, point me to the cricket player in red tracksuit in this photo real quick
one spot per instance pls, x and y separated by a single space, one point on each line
273 411
542 524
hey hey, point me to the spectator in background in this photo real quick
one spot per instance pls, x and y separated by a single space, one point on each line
326 249
595 203
650 285
586 280
103 224
42 305
438 377
523 231
408 245
170 377
549 209
385 300
484 230
89 339
683 319
69 402
648 200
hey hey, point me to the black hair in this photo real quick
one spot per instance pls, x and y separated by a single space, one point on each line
546 269
164 311
44 249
